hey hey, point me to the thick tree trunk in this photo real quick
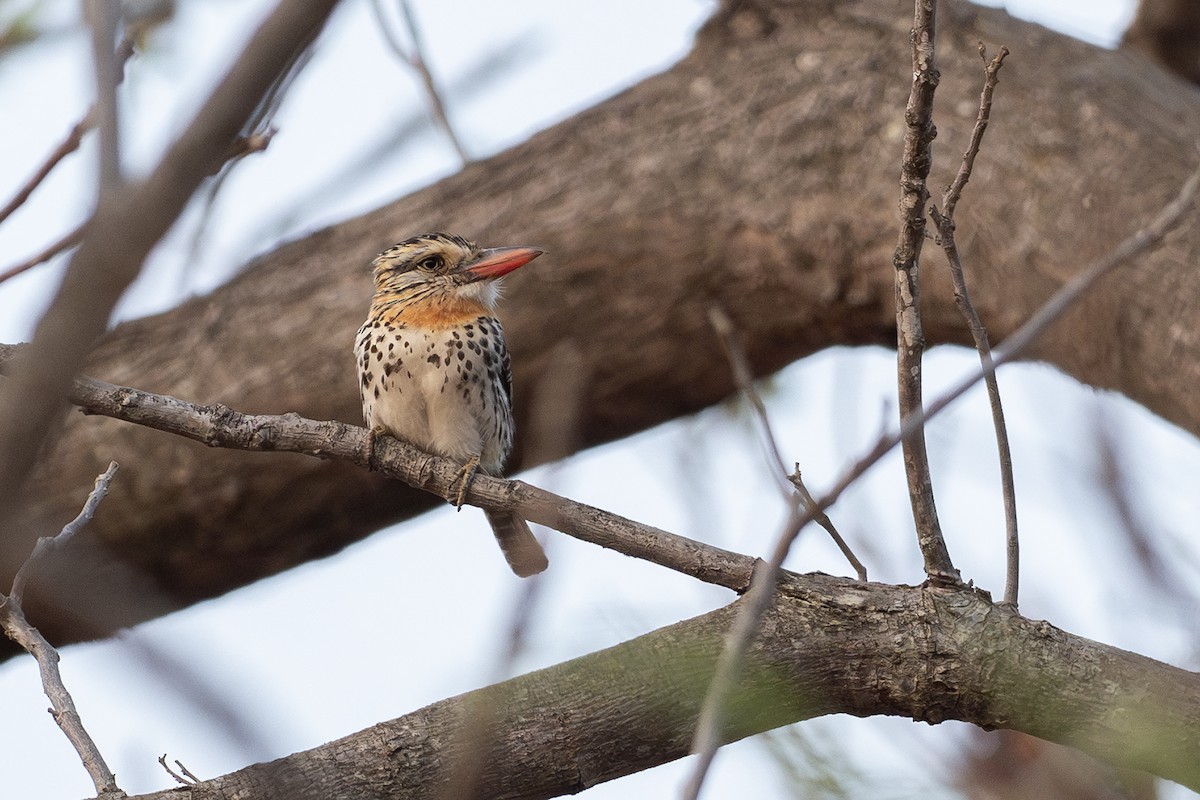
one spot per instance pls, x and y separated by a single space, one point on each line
760 173
828 645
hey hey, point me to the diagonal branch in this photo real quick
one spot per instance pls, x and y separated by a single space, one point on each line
20 630
794 488
65 242
220 426
419 63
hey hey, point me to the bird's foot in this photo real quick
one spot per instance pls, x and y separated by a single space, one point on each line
465 476
369 448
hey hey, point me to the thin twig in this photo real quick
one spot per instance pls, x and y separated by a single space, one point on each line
991 74
45 544
860 571
186 779
68 145
416 61
220 426
792 485
944 223
68 241
910 339
19 629
756 601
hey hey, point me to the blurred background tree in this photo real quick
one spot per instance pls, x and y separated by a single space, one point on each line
757 171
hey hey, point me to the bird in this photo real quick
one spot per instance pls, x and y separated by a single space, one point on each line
434 369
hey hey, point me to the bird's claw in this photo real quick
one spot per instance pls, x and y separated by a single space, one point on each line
464 479
369 449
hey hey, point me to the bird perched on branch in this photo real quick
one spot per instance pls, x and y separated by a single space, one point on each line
433 368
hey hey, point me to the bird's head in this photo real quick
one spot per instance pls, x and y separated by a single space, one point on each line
442 265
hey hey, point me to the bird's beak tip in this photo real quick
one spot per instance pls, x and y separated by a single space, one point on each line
499 261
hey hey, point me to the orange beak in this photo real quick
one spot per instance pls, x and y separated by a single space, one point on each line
499 261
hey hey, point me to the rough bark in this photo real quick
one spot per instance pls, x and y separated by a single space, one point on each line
759 173
827 646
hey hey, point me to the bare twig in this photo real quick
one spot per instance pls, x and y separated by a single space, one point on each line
910 338
708 738
962 299
186 779
792 485
19 629
68 241
220 426
68 145
416 61
991 74
810 502
47 543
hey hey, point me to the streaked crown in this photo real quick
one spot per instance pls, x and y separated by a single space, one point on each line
422 258
439 267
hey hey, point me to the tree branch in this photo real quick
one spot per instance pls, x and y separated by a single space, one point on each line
910 341
829 645
19 629
221 426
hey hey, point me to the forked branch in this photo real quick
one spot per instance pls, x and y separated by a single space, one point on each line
21 631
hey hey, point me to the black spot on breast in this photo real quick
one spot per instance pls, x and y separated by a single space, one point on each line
434 359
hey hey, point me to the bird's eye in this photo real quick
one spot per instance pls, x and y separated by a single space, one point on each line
431 263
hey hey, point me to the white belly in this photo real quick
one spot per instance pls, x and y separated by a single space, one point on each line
438 390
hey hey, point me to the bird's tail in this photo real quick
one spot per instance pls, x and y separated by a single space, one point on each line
521 549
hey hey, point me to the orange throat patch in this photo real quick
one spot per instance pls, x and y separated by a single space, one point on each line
428 313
